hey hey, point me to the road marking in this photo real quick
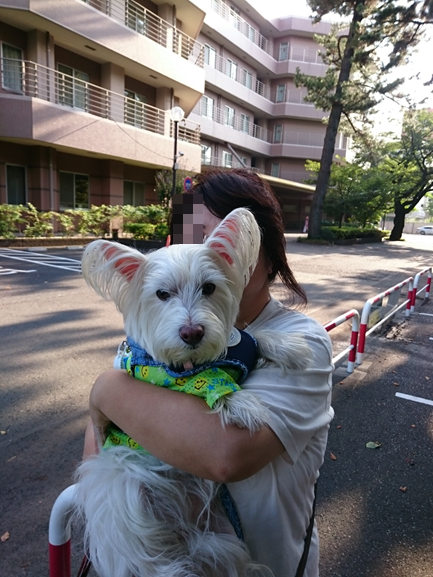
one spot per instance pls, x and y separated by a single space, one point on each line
426 314
416 399
43 259
5 271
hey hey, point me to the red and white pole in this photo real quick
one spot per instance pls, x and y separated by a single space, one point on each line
59 534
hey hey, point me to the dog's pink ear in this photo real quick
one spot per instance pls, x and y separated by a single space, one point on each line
126 265
237 240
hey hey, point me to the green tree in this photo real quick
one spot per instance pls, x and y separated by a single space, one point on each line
409 166
358 72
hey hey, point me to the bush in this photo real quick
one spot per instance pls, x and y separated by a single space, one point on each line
140 230
345 232
10 218
37 223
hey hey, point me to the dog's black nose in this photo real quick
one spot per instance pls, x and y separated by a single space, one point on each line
191 335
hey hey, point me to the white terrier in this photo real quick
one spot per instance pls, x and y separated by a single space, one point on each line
143 517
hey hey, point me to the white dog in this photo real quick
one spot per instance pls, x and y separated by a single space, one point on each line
143 517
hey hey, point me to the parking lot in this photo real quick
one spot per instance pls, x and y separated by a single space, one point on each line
58 336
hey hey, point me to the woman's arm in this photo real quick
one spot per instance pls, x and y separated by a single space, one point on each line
178 429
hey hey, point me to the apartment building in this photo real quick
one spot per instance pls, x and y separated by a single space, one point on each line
86 90
87 87
251 112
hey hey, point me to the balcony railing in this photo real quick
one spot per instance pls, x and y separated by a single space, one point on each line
242 76
309 55
238 123
147 23
291 96
226 163
37 81
299 138
243 26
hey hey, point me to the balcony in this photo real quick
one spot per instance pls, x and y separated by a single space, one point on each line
308 60
45 105
301 145
292 103
149 24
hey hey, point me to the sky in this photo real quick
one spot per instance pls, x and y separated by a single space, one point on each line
418 62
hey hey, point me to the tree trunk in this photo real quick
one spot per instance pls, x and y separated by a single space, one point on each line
332 127
399 218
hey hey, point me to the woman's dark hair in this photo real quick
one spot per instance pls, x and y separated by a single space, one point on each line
223 191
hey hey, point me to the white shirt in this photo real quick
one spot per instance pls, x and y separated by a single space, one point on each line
275 504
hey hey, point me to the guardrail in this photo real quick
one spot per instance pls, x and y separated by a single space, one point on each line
426 287
363 332
351 349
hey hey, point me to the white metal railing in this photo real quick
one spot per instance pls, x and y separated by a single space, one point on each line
299 138
243 26
219 162
149 24
292 96
38 81
309 55
229 68
234 122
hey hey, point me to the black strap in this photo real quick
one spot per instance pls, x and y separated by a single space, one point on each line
307 540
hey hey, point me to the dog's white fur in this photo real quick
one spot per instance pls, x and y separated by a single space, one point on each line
143 517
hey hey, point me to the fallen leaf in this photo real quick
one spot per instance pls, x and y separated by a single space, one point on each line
413 426
11 459
396 384
333 457
2 432
5 537
373 445
403 489
338 426
427 378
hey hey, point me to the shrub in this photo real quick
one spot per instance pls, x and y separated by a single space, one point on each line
37 223
10 218
140 230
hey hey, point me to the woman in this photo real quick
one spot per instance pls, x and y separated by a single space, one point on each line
271 474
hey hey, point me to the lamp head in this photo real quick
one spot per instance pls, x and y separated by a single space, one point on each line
177 114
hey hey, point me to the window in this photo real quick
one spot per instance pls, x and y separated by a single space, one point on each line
206 154
234 18
280 95
133 193
16 184
227 159
12 68
284 51
248 79
229 116
135 18
135 109
207 107
74 190
72 87
278 133
275 169
231 69
210 55
244 160
245 123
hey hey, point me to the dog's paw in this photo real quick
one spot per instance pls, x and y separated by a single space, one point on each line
242 409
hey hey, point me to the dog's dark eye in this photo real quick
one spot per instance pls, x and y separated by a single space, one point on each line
162 295
208 288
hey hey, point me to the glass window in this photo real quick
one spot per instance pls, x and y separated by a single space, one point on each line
16 184
278 133
284 51
281 93
248 79
12 68
209 55
72 87
206 154
227 159
231 69
275 169
133 193
74 190
135 109
229 117
245 123
207 107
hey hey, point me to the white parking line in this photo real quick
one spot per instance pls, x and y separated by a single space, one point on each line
44 259
416 399
5 271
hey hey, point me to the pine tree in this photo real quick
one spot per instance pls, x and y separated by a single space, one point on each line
358 71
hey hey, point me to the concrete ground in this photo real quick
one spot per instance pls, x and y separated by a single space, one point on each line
374 505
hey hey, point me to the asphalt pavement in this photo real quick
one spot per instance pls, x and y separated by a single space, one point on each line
374 505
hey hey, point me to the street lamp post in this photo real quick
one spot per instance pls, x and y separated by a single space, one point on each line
176 114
